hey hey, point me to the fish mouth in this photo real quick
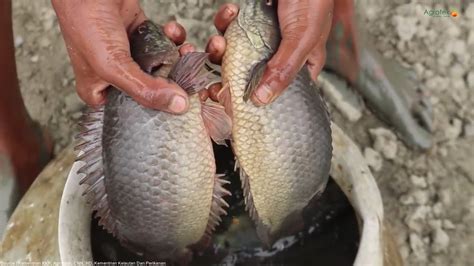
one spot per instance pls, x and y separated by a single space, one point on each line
159 65
162 69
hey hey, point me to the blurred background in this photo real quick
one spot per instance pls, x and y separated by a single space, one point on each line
428 196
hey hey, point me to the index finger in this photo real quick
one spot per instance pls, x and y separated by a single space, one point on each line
225 15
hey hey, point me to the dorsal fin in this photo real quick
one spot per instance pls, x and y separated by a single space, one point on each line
90 152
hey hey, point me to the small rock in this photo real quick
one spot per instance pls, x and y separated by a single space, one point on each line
453 129
469 129
373 159
434 224
44 42
72 103
416 220
404 252
385 142
457 47
421 197
406 199
64 82
419 69
469 12
466 167
34 58
76 115
453 30
405 26
440 240
442 151
418 247
470 80
470 38
447 224
418 181
444 196
457 71
18 41
438 209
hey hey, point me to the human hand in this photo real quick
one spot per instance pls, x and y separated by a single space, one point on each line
96 36
304 26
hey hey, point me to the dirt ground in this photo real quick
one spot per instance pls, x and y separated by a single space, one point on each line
428 197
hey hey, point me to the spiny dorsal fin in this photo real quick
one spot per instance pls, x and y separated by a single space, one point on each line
218 204
90 152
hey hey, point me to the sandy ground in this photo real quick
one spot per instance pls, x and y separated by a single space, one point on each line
428 197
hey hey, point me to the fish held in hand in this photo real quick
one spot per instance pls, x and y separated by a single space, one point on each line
283 149
151 175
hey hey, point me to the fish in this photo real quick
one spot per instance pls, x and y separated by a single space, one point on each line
283 149
151 175
389 90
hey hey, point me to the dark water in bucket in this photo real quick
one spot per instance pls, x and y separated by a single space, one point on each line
330 236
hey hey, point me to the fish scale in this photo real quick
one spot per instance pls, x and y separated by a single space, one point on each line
283 149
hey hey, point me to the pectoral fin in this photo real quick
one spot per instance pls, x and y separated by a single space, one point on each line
216 121
193 72
256 74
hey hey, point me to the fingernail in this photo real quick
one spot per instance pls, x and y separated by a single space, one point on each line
173 28
264 94
177 104
229 12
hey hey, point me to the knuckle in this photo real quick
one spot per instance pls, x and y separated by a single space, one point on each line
107 69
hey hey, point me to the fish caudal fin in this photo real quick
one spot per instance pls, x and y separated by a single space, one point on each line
90 152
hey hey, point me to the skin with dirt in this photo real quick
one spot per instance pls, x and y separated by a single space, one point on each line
283 149
143 166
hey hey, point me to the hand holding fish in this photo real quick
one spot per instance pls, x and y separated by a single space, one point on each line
96 36
305 26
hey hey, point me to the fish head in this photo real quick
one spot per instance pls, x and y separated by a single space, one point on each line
258 18
154 52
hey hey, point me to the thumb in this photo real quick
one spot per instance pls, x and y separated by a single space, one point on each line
279 73
151 92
